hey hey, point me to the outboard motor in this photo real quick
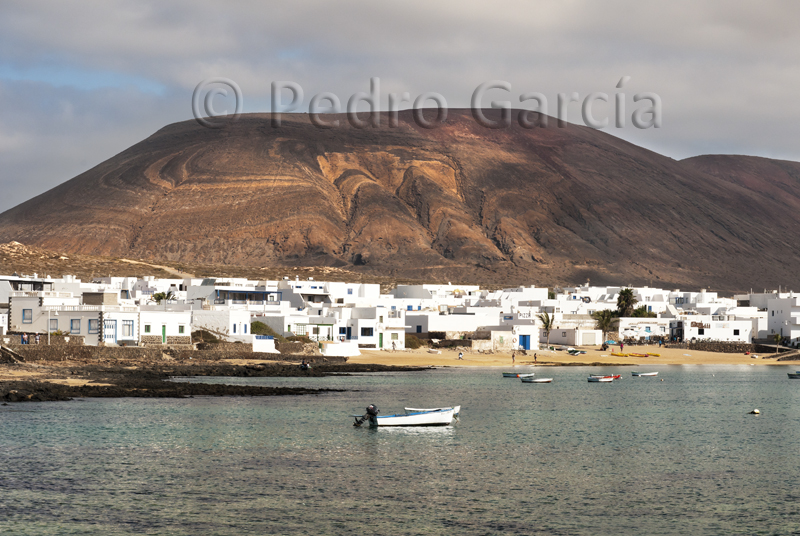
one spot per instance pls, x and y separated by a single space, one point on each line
371 414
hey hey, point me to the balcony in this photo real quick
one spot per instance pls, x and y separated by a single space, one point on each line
39 294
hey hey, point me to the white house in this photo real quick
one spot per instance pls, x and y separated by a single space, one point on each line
711 327
574 337
159 326
784 317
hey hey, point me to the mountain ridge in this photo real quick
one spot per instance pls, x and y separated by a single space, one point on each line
546 205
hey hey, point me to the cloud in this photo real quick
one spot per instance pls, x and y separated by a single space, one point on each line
81 82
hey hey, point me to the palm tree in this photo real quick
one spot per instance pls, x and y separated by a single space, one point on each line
605 321
625 302
777 337
547 324
158 297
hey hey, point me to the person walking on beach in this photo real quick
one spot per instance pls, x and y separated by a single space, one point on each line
621 346
460 355
513 358
534 357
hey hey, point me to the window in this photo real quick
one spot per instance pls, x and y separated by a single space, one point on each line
735 331
342 331
302 329
181 330
647 329
395 337
75 326
289 327
380 319
701 331
234 328
54 324
315 330
94 326
366 332
147 328
27 316
419 329
243 327
349 292
127 328
410 308
563 333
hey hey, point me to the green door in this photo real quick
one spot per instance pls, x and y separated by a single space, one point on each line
380 340
163 334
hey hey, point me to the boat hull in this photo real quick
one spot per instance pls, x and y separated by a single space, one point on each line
536 380
794 375
601 379
439 417
637 374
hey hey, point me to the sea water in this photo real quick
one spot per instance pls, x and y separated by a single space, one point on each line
636 456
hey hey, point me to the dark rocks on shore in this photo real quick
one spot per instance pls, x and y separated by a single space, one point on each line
153 381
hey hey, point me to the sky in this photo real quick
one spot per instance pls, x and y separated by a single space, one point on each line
81 82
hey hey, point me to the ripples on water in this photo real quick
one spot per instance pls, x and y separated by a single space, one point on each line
638 456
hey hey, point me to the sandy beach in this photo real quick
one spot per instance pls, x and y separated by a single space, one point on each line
449 358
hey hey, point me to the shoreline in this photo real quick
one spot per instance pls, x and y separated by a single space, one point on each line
593 357
65 380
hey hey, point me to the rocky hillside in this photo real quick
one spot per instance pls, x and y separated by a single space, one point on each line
545 206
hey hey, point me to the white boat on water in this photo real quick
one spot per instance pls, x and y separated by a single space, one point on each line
644 373
437 417
526 375
423 410
536 380
510 374
601 379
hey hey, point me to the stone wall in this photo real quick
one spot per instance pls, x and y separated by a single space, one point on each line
727 347
150 340
32 353
238 347
13 340
471 335
87 353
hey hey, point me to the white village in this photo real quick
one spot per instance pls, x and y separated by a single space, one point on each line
344 318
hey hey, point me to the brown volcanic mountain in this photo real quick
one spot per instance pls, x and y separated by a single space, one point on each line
545 206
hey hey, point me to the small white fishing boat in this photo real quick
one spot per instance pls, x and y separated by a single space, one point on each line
423 410
510 374
601 379
644 373
526 375
536 380
612 376
794 375
438 417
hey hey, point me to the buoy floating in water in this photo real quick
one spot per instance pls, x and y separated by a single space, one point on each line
755 412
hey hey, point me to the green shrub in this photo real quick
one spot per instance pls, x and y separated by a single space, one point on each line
260 328
412 342
298 338
202 335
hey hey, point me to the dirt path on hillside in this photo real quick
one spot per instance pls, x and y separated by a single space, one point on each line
177 273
